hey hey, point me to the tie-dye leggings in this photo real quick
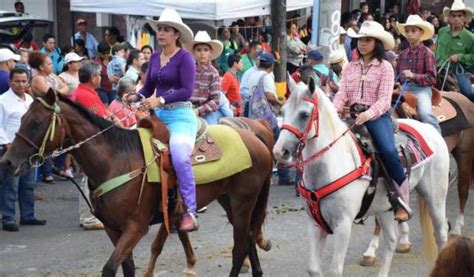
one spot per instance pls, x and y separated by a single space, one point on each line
182 125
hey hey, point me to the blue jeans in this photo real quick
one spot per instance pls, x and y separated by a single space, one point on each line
182 125
381 130
21 187
283 172
107 96
46 169
424 104
465 85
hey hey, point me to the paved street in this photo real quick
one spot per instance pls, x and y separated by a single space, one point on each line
62 249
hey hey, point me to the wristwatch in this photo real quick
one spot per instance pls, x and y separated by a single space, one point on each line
162 100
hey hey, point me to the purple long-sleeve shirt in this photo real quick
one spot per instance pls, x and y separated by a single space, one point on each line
174 81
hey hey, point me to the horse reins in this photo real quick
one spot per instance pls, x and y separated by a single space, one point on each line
303 137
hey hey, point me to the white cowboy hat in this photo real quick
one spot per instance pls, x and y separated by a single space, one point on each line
170 17
202 37
336 57
458 5
375 30
342 31
416 21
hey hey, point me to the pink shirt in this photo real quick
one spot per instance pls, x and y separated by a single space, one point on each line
372 86
120 112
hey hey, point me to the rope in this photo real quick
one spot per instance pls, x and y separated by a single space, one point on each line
402 90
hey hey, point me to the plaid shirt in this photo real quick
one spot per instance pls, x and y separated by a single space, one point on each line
421 62
207 87
372 86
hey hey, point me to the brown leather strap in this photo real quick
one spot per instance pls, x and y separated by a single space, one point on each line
164 189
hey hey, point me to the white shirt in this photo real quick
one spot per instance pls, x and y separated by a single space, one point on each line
12 109
268 82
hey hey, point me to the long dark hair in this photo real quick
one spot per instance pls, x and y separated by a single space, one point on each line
379 51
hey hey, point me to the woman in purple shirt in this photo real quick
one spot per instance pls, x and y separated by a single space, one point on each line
171 73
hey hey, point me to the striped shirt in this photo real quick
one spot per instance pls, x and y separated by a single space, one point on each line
421 62
207 86
372 86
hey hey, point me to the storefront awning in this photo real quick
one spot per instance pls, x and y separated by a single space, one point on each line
203 9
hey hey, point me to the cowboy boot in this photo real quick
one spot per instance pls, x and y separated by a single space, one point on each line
403 212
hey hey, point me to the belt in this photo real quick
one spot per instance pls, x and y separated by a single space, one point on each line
175 105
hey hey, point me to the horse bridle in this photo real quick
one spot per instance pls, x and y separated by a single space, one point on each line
303 136
50 133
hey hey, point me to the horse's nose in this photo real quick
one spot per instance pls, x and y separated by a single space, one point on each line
281 154
5 163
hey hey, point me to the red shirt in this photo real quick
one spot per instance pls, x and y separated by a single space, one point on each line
105 83
231 87
119 111
89 98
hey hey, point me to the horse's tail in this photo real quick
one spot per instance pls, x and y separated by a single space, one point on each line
430 249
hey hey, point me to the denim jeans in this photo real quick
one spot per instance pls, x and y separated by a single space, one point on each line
381 130
182 125
21 187
283 172
46 169
424 104
465 85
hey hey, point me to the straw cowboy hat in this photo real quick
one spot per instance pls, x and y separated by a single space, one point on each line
170 17
202 37
375 30
336 57
416 21
458 5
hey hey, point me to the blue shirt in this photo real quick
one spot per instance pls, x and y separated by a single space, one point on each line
90 44
325 71
57 59
4 77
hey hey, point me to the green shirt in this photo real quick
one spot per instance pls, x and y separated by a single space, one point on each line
248 62
462 44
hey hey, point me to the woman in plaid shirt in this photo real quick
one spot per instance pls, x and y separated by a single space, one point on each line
368 83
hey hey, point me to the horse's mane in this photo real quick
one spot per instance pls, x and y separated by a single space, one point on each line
118 138
456 258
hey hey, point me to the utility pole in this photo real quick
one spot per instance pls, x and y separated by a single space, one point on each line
278 12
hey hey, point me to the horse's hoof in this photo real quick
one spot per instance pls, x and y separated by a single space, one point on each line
403 248
265 245
367 261
244 268
188 273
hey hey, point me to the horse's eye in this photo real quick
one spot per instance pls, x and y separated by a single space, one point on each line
304 116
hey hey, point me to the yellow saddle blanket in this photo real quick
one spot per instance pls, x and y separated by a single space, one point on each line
235 157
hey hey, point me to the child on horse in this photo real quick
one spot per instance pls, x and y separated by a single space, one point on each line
172 72
417 65
368 83
207 87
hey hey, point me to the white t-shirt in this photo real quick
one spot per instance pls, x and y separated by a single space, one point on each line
268 82
71 81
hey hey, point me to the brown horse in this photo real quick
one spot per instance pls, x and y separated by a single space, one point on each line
118 151
456 259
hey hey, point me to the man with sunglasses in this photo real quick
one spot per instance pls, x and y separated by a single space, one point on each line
456 45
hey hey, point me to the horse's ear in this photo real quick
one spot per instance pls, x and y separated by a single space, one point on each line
311 85
291 83
50 96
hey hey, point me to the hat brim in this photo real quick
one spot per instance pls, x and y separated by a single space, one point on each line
186 34
216 47
428 29
385 37
467 12
75 60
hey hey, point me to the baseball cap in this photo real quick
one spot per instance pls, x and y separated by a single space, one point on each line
72 57
315 55
390 55
81 21
7 54
266 57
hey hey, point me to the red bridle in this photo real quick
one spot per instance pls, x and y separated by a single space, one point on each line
303 136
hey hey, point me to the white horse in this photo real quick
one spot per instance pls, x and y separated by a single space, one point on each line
340 208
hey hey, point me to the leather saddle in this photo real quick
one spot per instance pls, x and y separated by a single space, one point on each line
442 109
206 149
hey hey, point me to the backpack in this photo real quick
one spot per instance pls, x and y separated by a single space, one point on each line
259 108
